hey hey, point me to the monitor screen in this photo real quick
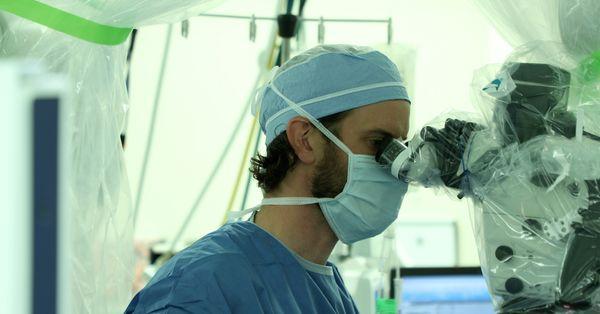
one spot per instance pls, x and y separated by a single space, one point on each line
445 291
46 210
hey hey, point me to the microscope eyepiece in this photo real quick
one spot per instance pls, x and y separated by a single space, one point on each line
392 152
382 147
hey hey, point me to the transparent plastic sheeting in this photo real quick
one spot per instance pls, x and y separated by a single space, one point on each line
531 168
572 22
102 257
133 13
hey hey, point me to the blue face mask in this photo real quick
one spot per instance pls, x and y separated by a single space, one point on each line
370 200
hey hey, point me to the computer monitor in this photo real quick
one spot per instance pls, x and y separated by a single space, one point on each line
444 291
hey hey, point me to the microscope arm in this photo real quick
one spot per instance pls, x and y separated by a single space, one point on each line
580 276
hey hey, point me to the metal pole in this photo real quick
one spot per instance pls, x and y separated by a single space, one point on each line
300 19
149 142
285 50
249 179
216 167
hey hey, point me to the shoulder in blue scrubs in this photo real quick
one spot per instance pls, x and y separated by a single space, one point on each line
241 268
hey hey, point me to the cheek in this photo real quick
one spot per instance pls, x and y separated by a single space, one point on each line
343 161
361 146
405 126
342 166
365 147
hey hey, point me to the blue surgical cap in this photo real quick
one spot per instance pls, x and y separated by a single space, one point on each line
326 80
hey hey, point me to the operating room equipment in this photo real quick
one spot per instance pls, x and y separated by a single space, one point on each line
530 164
86 41
36 236
365 264
535 185
395 154
421 160
321 21
442 290
397 287
3 24
97 167
419 240
363 280
150 139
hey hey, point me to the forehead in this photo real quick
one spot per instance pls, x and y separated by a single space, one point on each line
389 116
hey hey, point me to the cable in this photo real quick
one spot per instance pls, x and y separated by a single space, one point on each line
269 65
240 171
249 180
591 136
278 61
123 135
131 44
216 167
290 6
161 77
300 25
255 123
301 10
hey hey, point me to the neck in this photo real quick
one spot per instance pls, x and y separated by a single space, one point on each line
302 228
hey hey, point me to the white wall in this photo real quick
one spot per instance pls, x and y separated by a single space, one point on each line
210 74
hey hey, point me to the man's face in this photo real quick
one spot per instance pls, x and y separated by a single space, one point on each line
361 129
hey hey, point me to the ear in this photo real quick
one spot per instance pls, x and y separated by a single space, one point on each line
298 134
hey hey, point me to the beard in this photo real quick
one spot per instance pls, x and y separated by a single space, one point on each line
330 173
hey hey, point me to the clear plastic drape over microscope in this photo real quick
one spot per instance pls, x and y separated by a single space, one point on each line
530 164
98 188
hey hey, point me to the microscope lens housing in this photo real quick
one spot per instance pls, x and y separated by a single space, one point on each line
393 153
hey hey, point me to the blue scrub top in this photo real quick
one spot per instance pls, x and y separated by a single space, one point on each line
241 268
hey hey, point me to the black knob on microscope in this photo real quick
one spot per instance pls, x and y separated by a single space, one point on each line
504 253
573 188
514 285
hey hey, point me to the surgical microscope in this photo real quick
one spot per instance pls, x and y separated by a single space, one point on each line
532 175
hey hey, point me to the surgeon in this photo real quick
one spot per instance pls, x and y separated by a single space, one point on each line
323 113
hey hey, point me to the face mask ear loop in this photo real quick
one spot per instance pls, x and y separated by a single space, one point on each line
292 200
314 121
237 215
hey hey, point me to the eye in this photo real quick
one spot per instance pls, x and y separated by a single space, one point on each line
375 142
